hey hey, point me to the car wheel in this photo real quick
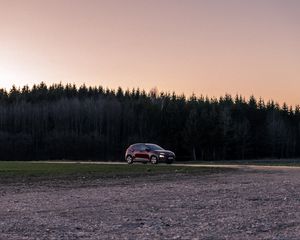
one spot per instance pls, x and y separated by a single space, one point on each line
129 159
154 160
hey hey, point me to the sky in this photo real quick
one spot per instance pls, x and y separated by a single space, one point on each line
208 47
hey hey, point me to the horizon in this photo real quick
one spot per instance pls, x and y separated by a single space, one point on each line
178 94
159 92
208 48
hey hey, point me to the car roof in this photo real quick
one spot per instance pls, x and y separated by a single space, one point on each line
143 144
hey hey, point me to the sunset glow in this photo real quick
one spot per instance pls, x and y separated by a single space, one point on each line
202 47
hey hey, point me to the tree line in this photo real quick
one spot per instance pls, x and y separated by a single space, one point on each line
93 123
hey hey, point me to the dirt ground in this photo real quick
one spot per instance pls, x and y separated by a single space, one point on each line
245 204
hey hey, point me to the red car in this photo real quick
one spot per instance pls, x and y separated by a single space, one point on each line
148 152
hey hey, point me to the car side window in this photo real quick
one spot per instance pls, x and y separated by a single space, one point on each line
134 147
140 147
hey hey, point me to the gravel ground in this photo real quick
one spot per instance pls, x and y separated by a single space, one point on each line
244 204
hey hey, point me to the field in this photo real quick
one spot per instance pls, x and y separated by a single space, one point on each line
28 171
87 201
264 162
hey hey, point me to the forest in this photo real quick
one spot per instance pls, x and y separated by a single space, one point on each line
93 123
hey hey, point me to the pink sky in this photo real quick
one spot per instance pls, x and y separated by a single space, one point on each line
206 47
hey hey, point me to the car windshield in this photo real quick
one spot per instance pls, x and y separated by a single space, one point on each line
154 147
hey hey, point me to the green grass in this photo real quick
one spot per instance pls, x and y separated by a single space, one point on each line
264 162
28 170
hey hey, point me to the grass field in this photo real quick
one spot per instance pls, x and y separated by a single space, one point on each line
10 170
263 162
40 170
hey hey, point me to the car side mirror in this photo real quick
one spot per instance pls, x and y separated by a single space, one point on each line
147 149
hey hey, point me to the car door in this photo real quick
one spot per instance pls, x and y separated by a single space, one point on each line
141 153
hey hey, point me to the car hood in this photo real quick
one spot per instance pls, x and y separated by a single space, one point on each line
165 152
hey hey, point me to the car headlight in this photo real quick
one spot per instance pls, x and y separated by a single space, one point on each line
161 155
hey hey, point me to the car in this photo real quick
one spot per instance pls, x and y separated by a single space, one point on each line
148 152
